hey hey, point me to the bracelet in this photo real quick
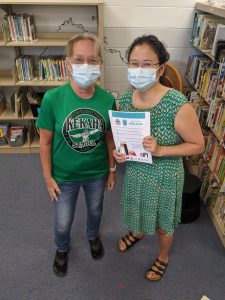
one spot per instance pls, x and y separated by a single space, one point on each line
112 169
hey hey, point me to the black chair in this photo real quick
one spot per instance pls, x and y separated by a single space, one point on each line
191 197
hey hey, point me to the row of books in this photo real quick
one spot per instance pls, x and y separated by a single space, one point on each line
24 66
202 72
221 79
209 189
201 108
18 27
215 156
218 207
216 117
52 68
204 30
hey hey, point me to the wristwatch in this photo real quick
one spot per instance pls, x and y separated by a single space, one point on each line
112 169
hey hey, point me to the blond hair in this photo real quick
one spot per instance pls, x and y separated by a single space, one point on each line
80 37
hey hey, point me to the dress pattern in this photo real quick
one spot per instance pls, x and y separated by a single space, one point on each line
152 194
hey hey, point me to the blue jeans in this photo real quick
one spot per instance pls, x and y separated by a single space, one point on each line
65 209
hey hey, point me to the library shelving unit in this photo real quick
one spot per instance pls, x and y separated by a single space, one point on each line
217 221
9 78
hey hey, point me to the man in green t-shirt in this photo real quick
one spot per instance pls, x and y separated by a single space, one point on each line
76 146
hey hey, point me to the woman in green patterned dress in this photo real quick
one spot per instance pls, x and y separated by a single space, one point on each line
152 193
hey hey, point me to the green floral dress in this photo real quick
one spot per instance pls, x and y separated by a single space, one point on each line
152 193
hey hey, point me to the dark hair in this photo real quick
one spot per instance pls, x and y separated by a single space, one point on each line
153 42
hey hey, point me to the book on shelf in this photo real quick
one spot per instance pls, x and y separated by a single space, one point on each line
2 101
202 73
5 29
197 25
208 32
53 68
222 188
210 147
204 30
209 190
18 27
24 66
213 112
16 135
3 133
203 169
219 210
221 76
219 35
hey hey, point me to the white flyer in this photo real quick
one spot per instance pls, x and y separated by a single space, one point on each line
129 130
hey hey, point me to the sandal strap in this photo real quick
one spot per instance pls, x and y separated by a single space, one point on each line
159 268
134 237
156 272
162 263
126 238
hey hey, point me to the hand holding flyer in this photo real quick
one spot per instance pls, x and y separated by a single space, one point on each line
129 130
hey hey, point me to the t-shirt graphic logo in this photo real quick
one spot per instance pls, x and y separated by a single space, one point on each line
83 129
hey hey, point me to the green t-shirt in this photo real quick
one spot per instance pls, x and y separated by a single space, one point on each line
79 150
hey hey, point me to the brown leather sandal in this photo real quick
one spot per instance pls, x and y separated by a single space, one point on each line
160 268
132 242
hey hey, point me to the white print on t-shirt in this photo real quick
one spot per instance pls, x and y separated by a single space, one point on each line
83 129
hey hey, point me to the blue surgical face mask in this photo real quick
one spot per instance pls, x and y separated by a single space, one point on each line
85 75
142 78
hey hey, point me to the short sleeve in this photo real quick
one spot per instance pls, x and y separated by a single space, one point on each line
113 108
46 118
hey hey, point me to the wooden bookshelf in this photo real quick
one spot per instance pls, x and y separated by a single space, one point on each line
2 42
207 102
23 149
8 115
204 7
8 78
214 10
45 39
206 52
37 82
217 225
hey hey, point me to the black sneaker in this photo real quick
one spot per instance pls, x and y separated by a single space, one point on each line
60 265
97 249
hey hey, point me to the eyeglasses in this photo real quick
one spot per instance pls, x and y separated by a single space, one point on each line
80 60
144 64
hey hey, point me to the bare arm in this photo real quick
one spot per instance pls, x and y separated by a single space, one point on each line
46 162
110 147
187 126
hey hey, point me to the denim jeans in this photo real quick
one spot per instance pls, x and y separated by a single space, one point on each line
65 209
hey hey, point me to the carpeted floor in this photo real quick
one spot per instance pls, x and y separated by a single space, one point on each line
196 266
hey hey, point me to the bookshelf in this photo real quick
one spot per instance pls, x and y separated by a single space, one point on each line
48 37
204 74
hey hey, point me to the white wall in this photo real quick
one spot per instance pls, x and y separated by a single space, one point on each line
124 20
